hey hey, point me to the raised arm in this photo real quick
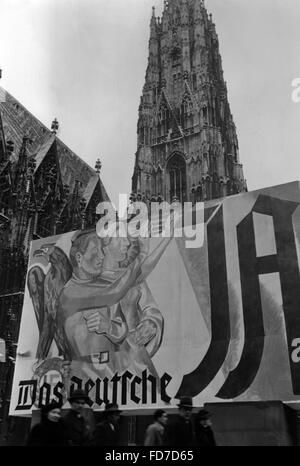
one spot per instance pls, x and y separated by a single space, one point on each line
78 296
150 260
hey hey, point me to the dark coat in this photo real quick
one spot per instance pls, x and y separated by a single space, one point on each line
48 433
179 433
106 435
78 431
205 436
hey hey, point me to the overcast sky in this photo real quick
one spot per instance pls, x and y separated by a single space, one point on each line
84 62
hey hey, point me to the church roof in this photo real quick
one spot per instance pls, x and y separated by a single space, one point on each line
18 121
44 150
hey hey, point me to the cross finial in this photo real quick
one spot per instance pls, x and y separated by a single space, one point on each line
54 126
98 166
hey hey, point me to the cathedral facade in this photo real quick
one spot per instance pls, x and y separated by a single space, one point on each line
187 142
45 189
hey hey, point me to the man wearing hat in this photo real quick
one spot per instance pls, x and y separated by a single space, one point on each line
181 431
107 431
203 429
79 421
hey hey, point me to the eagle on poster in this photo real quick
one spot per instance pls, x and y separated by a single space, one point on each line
44 289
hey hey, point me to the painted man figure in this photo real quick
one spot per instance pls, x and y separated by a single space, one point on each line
104 334
141 317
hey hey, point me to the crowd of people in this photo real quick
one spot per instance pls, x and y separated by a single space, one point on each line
78 426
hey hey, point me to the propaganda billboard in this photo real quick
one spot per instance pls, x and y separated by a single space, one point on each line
143 321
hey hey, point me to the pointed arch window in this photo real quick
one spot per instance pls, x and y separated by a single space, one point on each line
163 117
186 117
175 55
194 81
199 194
176 169
206 188
228 188
222 189
204 115
215 187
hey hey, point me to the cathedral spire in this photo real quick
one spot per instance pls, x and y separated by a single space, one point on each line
153 24
187 142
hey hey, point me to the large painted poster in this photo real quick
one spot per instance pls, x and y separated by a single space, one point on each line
143 325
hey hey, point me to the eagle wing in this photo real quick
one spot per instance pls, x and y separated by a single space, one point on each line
35 283
57 276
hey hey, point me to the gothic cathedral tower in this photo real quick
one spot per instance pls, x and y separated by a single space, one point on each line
187 142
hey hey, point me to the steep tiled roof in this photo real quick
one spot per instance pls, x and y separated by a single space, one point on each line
44 150
104 193
18 121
